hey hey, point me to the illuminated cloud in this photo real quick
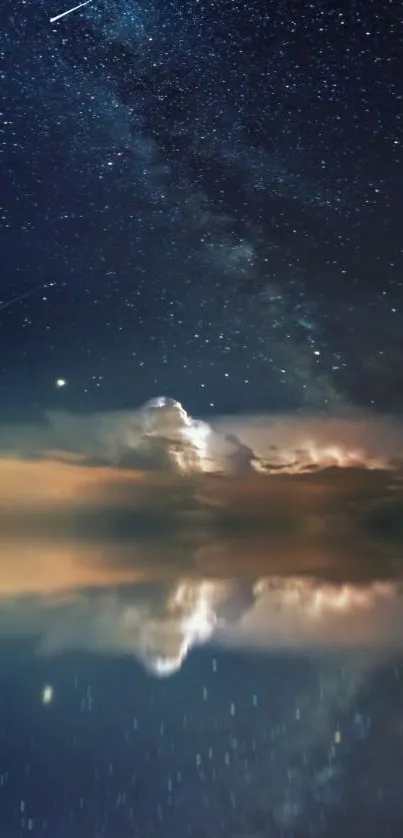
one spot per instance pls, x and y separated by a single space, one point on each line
303 441
117 499
161 435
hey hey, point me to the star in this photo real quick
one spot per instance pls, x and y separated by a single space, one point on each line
47 694
60 382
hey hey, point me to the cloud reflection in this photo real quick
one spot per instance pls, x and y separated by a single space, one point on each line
148 533
160 623
307 613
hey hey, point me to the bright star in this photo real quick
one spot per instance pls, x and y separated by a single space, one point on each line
61 382
47 694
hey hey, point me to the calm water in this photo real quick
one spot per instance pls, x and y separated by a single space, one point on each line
233 668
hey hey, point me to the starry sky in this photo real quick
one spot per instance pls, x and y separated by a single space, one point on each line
202 200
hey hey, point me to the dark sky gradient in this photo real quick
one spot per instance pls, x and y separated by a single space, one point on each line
211 195
201 199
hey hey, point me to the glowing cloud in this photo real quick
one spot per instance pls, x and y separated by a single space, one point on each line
161 435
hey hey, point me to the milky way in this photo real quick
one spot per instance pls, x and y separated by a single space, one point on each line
216 192
201 200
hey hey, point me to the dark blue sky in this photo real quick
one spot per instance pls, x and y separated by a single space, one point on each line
211 195
201 200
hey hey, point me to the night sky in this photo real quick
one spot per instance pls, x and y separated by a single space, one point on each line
202 200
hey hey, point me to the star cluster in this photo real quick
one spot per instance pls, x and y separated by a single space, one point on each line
204 200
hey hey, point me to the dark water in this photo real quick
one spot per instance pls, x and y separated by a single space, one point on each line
203 669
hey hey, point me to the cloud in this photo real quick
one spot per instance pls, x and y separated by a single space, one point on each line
117 537
292 441
85 506
348 437
301 483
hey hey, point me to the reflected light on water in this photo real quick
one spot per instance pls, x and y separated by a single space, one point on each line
105 548
160 622
316 600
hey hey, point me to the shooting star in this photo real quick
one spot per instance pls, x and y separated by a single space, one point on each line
74 9
13 300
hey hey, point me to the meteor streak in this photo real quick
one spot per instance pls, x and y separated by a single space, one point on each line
23 296
74 9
